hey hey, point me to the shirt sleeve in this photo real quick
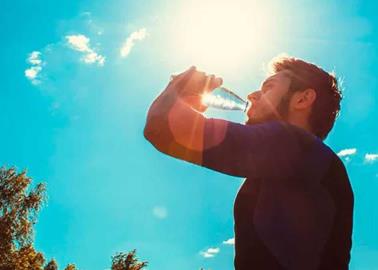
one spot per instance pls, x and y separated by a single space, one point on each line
261 150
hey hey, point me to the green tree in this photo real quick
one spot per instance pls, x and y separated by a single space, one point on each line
27 258
70 267
52 265
123 261
19 206
18 211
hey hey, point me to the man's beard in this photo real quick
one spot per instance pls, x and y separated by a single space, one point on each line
281 114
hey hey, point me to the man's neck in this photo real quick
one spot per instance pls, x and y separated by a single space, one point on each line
301 122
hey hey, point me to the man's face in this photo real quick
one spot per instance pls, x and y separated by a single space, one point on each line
271 101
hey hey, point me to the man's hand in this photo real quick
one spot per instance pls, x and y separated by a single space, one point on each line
191 85
174 125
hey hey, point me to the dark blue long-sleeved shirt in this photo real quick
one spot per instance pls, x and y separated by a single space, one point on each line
295 207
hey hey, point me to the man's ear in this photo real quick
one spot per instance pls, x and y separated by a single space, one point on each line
304 99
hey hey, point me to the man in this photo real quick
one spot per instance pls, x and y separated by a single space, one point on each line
295 208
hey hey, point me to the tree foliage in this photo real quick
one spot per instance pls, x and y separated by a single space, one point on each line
70 267
27 258
19 207
18 211
123 261
52 265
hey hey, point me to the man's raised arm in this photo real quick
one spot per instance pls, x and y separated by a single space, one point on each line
175 124
176 127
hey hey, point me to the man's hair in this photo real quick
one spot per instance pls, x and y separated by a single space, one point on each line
306 75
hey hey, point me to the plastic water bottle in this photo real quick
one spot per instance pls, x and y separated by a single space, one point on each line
223 98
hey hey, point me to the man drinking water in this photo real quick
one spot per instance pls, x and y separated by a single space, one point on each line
295 208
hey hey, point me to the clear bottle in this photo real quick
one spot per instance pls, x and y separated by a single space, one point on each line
223 98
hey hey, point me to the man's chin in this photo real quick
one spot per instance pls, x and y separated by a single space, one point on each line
254 121
250 121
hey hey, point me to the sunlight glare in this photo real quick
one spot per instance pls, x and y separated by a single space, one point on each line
219 33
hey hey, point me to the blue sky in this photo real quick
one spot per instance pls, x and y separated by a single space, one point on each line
78 77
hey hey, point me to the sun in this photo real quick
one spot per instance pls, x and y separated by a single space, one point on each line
214 33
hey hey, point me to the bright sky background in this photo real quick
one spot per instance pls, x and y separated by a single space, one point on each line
77 78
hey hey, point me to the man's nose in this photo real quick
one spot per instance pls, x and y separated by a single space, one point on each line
254 96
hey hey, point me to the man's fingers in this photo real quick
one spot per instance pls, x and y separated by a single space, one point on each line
216 82
209 85
212 83
194 82
183 74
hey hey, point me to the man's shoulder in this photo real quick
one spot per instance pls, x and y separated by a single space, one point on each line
274 129
286 134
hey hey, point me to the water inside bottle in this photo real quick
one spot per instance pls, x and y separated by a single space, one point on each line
223 98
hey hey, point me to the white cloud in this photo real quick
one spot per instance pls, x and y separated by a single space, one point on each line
207 255
213 250
93 57
160 212
32 73
347 152
210 252
34 58
370 158
130 41
81 43
230 241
